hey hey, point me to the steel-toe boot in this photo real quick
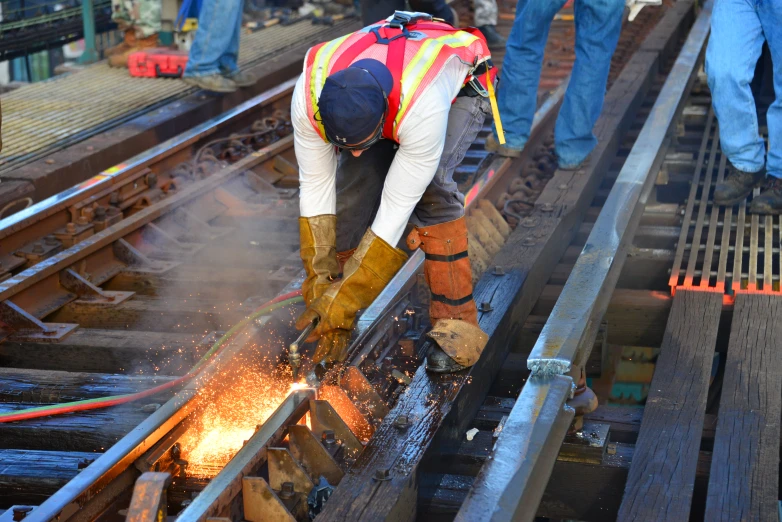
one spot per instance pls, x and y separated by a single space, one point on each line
456 333
120 59
737 185
128 42
770 200
242 78
492 145
211 82
493 38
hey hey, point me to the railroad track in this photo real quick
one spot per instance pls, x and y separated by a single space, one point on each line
186 229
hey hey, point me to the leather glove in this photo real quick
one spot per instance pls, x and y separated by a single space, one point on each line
366 273
318 250
333 346
636 6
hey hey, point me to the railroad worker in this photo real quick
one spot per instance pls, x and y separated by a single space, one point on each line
141 22
738 30
212 62
598 24
381 118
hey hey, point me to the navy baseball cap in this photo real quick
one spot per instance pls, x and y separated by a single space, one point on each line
353 101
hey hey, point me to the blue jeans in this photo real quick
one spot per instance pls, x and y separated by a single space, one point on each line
215 48
598 23
738 29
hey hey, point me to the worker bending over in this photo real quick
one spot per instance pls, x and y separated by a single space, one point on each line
381 119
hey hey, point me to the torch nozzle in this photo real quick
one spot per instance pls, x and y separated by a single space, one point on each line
294 357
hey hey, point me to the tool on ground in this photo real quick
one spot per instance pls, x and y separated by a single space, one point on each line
160 62
294 356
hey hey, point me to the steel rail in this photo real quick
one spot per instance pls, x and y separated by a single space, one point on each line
514 479
111 176
228 483
104 239
71 499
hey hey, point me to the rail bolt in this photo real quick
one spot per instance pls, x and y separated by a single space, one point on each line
328 438
20 512
402 422
382 474
286 492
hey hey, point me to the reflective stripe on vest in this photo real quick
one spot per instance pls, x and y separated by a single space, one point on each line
430 55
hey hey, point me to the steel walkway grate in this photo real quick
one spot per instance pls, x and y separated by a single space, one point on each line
724 248
53 114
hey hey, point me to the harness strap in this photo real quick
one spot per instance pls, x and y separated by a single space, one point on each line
395 61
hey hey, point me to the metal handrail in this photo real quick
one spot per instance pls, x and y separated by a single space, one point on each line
513 481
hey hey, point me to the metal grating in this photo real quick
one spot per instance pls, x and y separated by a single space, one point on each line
50 115
723 248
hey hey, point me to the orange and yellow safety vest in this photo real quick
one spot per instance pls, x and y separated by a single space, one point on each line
415 54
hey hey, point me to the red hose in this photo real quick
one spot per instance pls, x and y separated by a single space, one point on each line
105 402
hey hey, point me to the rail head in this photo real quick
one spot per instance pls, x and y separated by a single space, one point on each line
515 477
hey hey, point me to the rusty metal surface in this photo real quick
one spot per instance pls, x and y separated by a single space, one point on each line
149 502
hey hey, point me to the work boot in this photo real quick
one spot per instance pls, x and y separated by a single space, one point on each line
241 78
770 200
128 42
452 309
578 166
492 145
494 39
737 185
120 59
211 82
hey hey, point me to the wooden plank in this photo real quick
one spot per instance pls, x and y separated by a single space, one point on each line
744 483
95 430
661 479
30 477
435 403
109 351
575 491
48 387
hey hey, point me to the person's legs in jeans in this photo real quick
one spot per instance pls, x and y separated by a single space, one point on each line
228 61
770 201
598 24
771 20
735 44
215 36
518 87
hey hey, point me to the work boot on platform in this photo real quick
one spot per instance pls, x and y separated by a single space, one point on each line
127 42
242 79
737 185
211 82
770 200
120 59
493 38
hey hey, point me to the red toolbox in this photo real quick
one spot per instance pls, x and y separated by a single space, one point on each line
157 63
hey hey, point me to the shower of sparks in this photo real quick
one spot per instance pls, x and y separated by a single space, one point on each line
230 419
